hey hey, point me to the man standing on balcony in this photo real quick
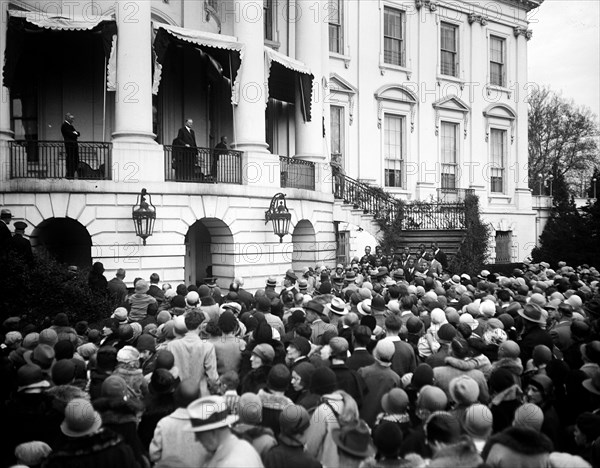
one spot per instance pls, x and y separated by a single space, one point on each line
439 255
185 158
70 136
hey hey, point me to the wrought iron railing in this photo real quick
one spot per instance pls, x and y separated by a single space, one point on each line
296 173
413 216
202 165
35 159
453 195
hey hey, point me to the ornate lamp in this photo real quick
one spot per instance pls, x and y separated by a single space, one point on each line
143 214
280 215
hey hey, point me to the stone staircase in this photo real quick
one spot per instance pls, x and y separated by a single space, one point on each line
448 240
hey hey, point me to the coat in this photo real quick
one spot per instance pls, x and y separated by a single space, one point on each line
444 374
105 449
379 380
234 452
174 445
196 359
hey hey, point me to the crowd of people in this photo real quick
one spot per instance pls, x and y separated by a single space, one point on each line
386 361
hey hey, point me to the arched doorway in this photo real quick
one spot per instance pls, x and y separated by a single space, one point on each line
65 239
305 246
209 251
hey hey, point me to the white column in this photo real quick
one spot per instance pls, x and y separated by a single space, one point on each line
309 47
249 113
5 131
133 110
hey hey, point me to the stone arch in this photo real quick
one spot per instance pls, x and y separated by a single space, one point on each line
210 252
66 239
304 244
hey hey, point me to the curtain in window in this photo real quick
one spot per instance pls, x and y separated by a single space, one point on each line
393 150
449 155
392 36
448 49
497 159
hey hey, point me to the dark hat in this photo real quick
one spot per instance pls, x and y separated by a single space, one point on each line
323 381
164 359
178 301
532 313
30 376
227 321
354 439
460 348
61 320
500 379
293 420
291 275
81 327
423 375
305 370
589 424
64 349
591 351
63 372
263 304
414 324
106 358
162 382
20 226
315 306
446 332
265 352
301 344
543 383
279 378
378 303
387 437
5 213
146 342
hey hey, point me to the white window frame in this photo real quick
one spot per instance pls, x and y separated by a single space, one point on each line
273 41
342 142
406 34
503 77
458 55
493 169
404 136
457 157
339 25
508 57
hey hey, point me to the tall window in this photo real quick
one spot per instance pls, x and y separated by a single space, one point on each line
393 36
497 160
449 49
449 154
497 61
337 133
268 17
335 26
393 150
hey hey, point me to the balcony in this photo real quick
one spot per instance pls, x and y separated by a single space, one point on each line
34 159
453 195
297 173
202 165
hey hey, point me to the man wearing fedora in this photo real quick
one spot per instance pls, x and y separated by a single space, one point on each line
533 333
211 423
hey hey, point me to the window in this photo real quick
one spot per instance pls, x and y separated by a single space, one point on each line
503 246
498 158
449 49
337 133
393 148
497 59
268 17
449 133
393 36
335 26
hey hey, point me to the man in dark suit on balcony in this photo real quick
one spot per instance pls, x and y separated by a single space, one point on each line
185 151
439 255
70 136
221 149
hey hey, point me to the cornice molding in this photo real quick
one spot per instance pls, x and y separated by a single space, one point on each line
521 31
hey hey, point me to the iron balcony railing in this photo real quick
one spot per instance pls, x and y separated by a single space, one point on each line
296 173
452 195
35 159
413 216
202 165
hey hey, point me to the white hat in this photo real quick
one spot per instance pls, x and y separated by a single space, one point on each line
209 413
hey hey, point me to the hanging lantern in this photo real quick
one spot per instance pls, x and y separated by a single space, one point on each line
280 215
143 214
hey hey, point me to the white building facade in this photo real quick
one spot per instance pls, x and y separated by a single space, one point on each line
424 99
